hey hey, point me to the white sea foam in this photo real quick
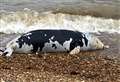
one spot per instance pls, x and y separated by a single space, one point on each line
27 20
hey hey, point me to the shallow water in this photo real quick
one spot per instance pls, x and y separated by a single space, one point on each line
19 16
27 20
106 8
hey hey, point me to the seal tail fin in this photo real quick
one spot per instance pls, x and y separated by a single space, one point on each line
10 47
8 52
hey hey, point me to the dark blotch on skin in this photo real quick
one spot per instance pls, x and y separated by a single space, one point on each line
54 46
38 38
1 50
4 54
86 41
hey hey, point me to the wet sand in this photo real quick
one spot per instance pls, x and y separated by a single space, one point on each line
90 66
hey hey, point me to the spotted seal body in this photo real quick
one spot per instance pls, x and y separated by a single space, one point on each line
53 41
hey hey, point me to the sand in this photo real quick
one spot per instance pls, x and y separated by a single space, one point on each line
90 66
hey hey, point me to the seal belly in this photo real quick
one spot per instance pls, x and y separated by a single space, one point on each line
56 46
24 49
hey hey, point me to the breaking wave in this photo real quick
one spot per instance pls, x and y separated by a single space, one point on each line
27 20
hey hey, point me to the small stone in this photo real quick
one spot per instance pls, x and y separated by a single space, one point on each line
29 54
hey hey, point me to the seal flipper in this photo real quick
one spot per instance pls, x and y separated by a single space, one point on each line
10 47
1 51
74 48
8 52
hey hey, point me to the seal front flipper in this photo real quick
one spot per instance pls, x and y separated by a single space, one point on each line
76 50
74 47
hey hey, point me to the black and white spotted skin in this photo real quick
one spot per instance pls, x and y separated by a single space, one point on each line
53 41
